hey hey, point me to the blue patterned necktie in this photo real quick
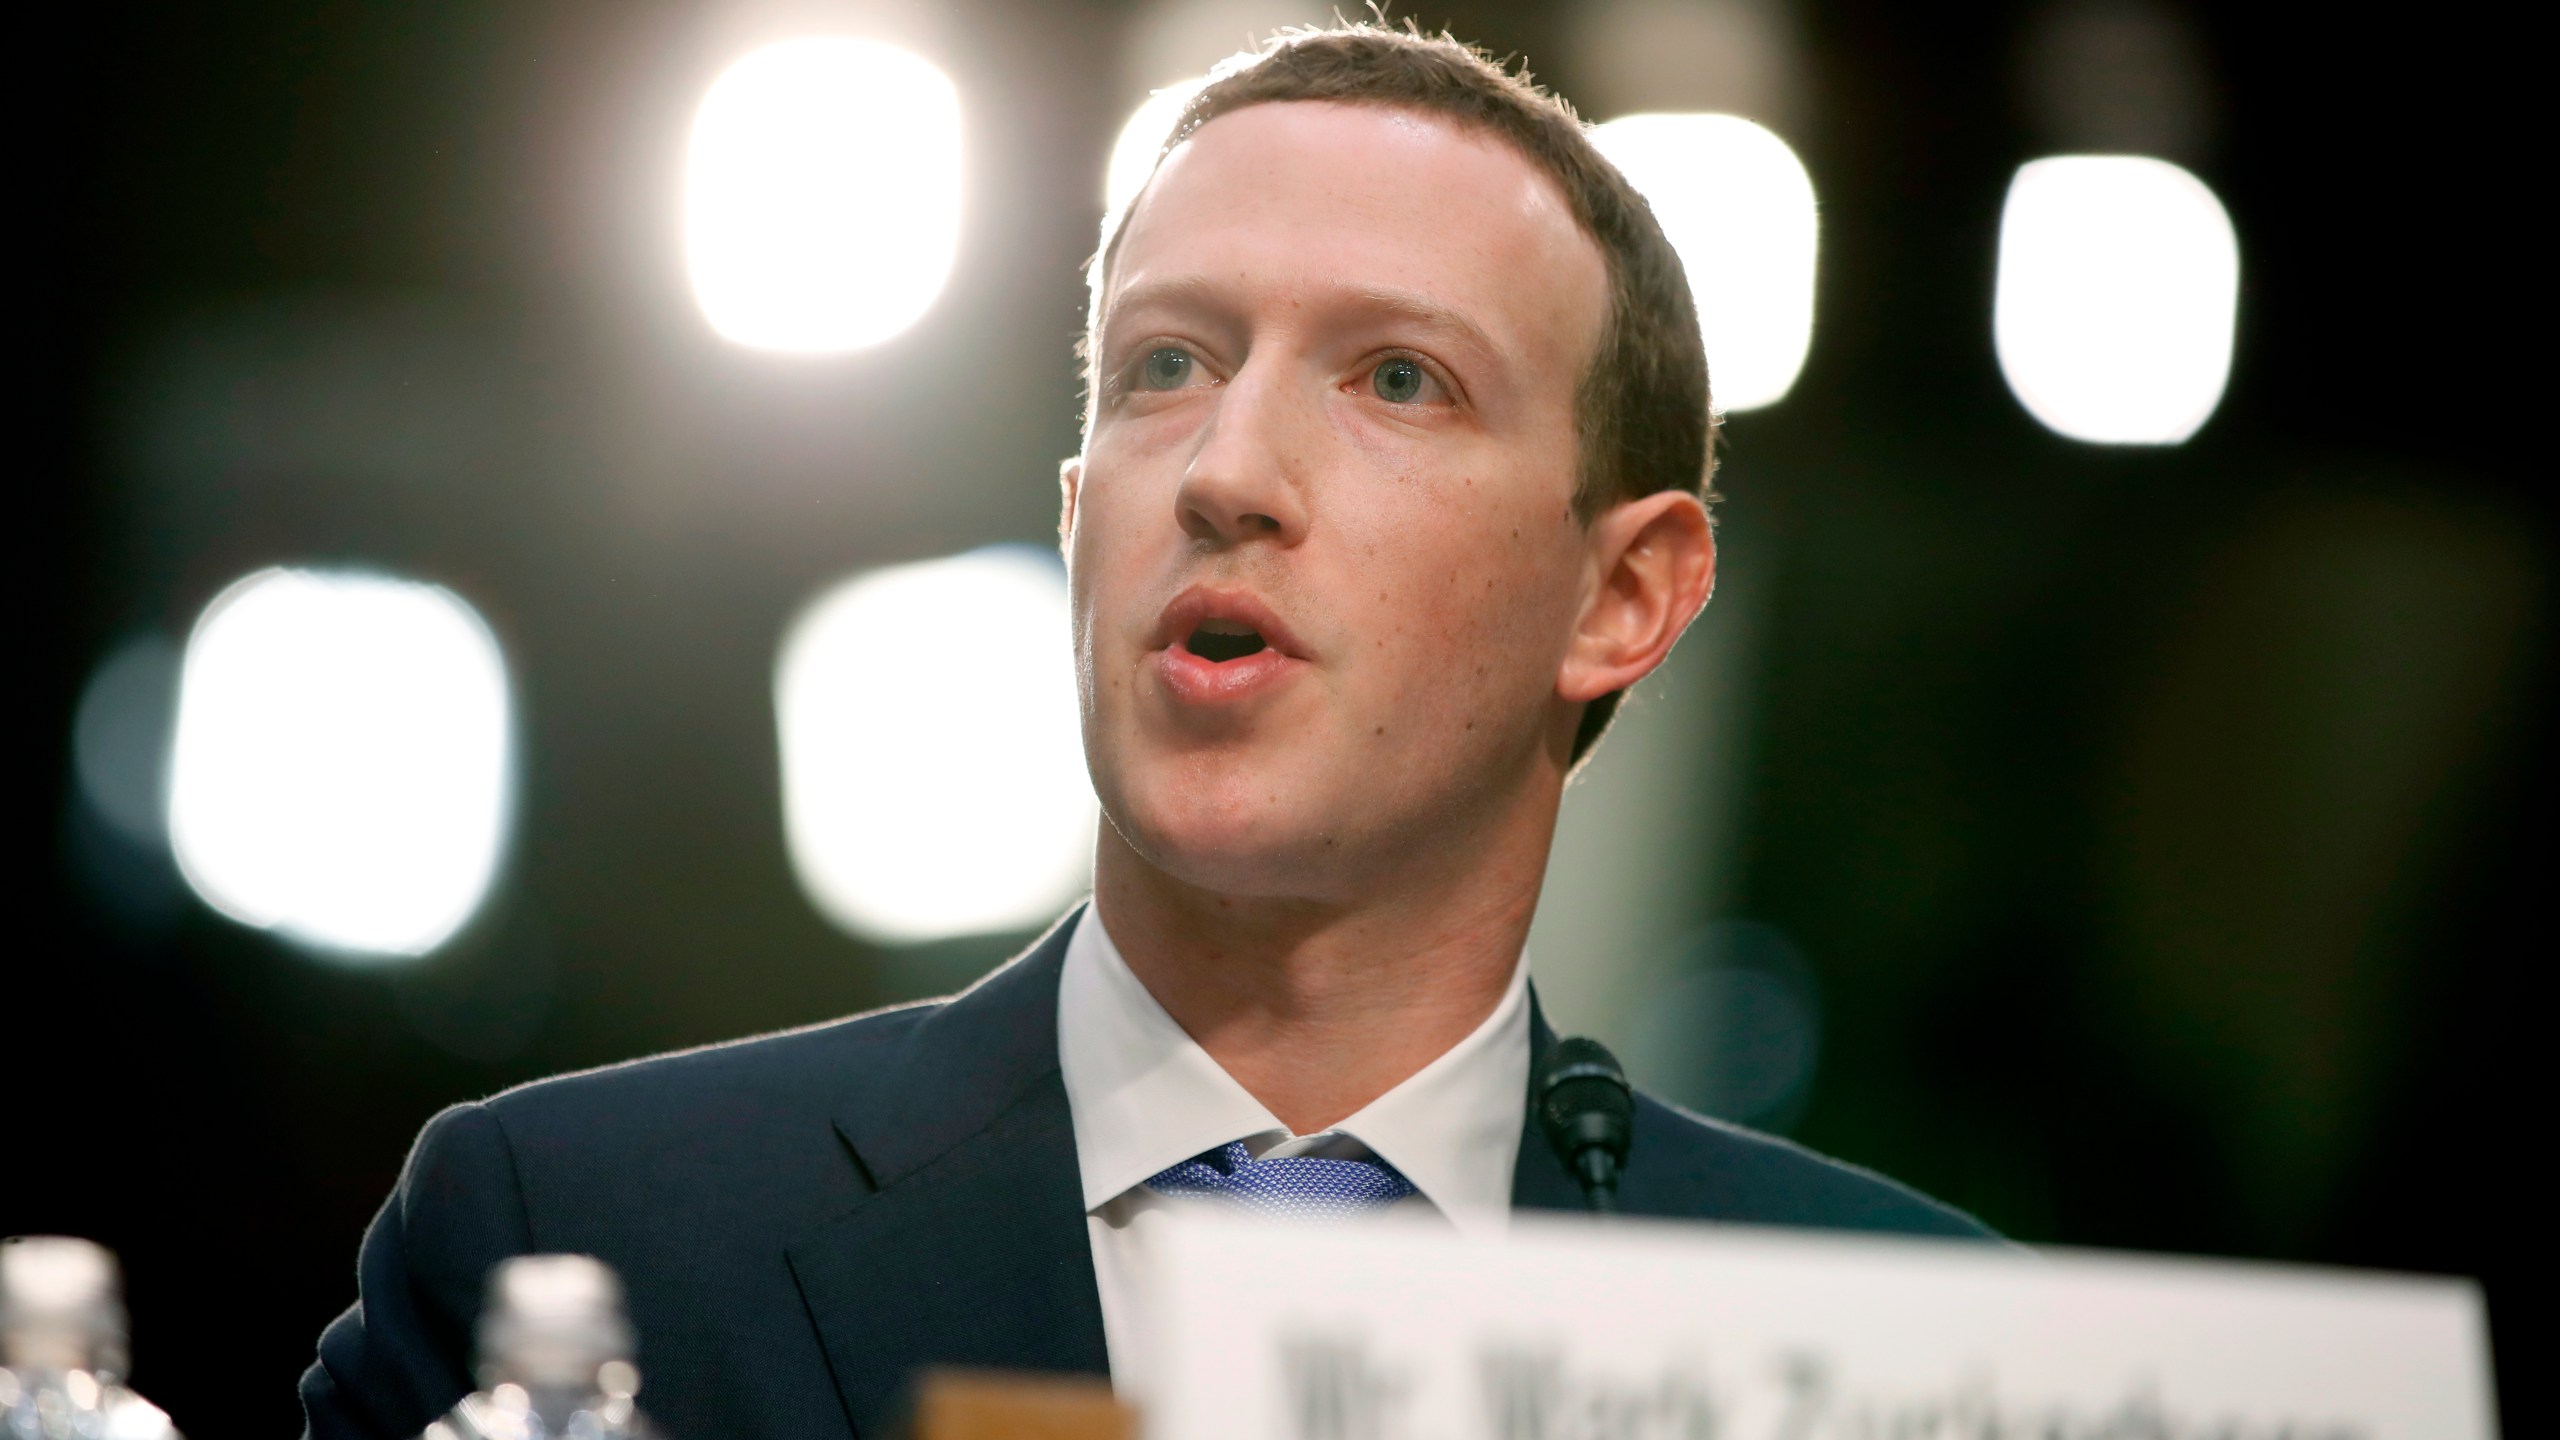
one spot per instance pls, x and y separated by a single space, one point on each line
1304 1188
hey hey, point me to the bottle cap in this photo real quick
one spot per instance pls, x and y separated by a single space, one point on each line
552 1322
61 1307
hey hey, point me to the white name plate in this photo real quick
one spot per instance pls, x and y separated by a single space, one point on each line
1637 1330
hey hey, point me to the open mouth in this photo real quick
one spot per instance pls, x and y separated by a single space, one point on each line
1218 646
1218 641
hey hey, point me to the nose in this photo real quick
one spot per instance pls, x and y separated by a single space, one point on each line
1243 481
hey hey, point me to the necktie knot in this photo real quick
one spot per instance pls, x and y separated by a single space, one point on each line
1304 1188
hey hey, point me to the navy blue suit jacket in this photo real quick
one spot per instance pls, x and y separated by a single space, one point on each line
803 1220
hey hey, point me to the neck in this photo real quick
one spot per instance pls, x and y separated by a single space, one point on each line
1317 1007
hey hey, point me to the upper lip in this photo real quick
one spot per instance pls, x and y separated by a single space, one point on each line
1210 602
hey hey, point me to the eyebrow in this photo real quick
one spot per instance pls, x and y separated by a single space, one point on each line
1368 301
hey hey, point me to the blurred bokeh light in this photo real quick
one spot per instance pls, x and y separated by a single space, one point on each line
2119 286
340 770
1738 206
933 780
822 194
1133 155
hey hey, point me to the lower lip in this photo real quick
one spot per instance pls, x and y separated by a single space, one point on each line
1196 680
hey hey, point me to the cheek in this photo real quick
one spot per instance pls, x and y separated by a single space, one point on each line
1483 613
1119 516
1099 497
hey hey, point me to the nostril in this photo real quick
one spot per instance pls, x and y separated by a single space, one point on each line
1264 522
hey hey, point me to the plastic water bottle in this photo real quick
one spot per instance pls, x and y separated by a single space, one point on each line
63 1351
555 1358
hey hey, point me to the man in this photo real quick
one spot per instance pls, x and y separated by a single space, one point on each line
1392 481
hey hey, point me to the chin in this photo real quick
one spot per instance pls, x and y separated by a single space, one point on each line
1225 829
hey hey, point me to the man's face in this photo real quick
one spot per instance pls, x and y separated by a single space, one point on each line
1325 561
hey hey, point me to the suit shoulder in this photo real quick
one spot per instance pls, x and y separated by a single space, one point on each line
1711 1169
811 1065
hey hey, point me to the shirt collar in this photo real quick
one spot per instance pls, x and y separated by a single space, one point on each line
1144 1095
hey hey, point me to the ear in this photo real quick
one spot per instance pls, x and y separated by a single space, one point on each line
1653 564
1070 481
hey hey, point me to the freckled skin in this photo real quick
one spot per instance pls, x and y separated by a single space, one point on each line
1396 797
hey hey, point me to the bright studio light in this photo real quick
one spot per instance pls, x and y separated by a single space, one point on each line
1738 207
933 779
340 768
1133 155
822 195
2119 283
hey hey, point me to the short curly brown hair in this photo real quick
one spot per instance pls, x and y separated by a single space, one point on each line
1644 410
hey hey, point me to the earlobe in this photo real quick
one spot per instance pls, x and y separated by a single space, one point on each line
1070 481
1653 563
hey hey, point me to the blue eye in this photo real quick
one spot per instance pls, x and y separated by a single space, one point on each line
1165 368
1398 380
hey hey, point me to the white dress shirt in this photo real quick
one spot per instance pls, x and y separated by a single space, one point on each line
1145 1096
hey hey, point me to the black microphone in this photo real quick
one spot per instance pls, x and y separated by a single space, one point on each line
1589 1115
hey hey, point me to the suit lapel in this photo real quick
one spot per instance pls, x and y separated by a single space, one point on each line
972 1248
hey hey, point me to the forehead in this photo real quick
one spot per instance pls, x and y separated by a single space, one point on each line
1285 202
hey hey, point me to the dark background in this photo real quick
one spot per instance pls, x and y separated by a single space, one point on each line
2159 825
